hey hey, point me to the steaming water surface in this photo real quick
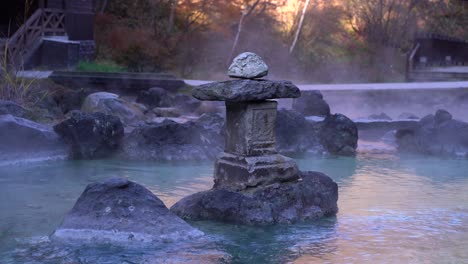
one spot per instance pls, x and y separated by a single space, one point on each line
393 209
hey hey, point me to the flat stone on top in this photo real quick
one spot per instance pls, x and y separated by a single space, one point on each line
246 90
248 65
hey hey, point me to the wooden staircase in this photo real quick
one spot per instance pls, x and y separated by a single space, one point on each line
26 40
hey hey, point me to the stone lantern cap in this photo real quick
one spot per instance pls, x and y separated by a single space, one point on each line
245 90
247 68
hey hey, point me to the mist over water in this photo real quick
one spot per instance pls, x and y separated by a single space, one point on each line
392 208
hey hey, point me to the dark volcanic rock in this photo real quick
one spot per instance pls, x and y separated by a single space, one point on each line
312 197
435 135
118 210
69 100
11 108
294 134
155 97
169 140
24 138
91 136
442 116
339 135
245 90
311 103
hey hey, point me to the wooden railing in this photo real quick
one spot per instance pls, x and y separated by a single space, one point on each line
42 22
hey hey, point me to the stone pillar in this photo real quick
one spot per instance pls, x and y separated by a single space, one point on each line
250 128
250 158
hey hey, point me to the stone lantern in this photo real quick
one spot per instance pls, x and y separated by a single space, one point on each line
250 157
253 183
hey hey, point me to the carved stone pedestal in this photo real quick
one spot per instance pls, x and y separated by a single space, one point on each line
236 173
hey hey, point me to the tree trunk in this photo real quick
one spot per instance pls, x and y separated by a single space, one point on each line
103 6
236 40
246 12
170 26
299 27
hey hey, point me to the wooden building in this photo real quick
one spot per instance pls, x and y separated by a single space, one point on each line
438 58
64 25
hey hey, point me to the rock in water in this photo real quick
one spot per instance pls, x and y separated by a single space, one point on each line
21 139
91 136
442 116
170 141
437 134
248 65
246 90
311 103
118 210
312 197
339 135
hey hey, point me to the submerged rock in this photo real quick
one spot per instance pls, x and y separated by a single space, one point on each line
91 136
435 135
248 65
339 135
311 103
118 210
314 196
11 108
246 90
112 104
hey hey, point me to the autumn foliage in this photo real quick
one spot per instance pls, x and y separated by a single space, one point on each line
339 40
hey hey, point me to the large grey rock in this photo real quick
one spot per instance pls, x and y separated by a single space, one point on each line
246 90
11 108
91 136
170 141
112 104
21 138
435 135
118 210
339 135
311 103
314 196
248 65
